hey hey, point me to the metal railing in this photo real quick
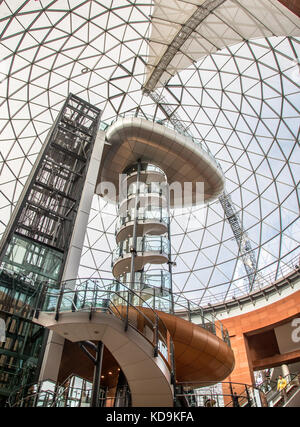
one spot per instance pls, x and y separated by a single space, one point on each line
75 391
224 394
145 189
147 243
276 397
104 294
113 298
261 284
165 123
117 299
143 215
166 301
156 279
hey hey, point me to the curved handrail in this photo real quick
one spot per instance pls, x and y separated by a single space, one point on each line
34 396
182 304
93 301
146 243
162 302
155 215
37 385
20 390
166 124
262 283
184 307
244 394
62 395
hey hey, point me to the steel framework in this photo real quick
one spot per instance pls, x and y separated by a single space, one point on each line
35 244
246 251
181 37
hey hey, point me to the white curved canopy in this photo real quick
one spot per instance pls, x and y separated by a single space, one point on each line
183 31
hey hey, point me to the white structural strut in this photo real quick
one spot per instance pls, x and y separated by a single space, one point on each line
247 253
148 377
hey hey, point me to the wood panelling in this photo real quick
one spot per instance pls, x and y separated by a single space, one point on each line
199 355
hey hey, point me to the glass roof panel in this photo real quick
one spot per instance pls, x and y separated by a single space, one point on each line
242 102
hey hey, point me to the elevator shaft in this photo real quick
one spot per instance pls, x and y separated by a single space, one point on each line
143 233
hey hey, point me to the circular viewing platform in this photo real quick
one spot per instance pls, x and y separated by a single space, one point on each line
180 157
149 249
152 222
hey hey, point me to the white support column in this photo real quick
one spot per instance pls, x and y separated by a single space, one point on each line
54 348
52 357
286 372
77 240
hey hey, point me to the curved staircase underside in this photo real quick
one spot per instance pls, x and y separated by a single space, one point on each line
148 376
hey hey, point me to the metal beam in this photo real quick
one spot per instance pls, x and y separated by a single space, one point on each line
201 13
246 251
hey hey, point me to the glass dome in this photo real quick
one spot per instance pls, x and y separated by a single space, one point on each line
241 102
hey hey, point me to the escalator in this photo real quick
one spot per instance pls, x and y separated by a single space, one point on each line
277 399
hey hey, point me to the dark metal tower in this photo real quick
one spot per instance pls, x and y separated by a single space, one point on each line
35 244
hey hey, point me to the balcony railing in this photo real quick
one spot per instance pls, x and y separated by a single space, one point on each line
157 279
104 126
154 244
110 297
157 214
263 284
225 394
73 392
104 294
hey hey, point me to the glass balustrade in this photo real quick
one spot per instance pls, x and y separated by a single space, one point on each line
115 299
145 167
107 294
155 244
145 189
224 394
153 214
157 279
